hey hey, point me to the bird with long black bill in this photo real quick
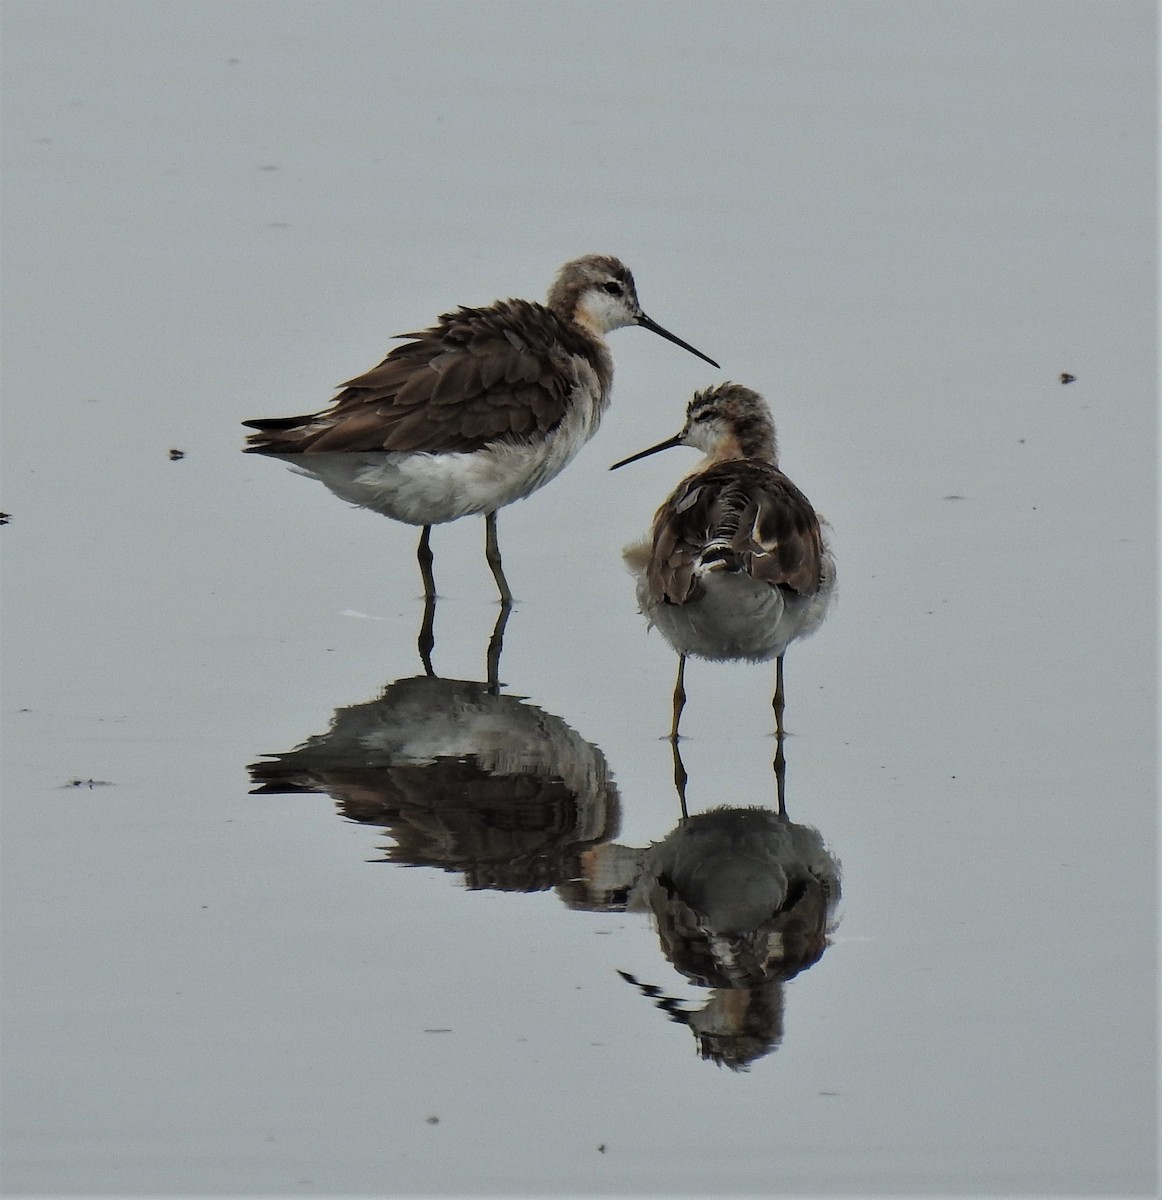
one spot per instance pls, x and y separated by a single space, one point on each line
482 409
736 565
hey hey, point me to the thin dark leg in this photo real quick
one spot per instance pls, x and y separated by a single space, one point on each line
679 696
495 646
780 765
680 777
777 703
492 554
425 558
426 642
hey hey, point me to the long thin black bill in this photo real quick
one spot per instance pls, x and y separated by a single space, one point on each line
646 323
668 444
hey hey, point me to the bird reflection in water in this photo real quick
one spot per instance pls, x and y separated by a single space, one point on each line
460 777
490 787
744 899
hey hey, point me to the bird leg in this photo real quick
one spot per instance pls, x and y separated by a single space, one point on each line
425 558
492 554
780 765
777 703
679 697
680 777
495 646
426 642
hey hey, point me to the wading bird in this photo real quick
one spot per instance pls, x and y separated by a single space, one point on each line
736 565
481 409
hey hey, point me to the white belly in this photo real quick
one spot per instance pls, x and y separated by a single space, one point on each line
429 489
737 617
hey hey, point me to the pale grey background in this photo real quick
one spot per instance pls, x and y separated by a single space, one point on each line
902 222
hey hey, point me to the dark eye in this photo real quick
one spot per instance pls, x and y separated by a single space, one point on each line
705 415
612 287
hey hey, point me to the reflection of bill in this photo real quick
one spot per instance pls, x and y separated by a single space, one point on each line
511 798
743 900
460 778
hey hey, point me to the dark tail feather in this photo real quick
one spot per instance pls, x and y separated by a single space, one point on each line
277 435
277 788
275 423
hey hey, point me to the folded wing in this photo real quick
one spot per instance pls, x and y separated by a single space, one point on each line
482 375
738 515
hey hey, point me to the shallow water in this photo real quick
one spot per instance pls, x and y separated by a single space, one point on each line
902 224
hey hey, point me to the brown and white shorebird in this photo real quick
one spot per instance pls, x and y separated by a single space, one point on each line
481 409
736 565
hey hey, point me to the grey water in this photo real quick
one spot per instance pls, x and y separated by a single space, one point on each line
282 914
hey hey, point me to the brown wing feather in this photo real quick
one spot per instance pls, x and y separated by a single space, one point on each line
505 372
752 516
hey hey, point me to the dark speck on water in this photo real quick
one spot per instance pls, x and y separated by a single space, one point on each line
89 783
5 518
1066 377
174 455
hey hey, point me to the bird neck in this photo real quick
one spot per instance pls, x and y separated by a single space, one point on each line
589 321
756 441
754 437
567 301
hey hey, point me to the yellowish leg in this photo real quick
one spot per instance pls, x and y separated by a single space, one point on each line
680 777
679 696
780 765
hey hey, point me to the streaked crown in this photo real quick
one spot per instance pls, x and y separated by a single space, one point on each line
730 420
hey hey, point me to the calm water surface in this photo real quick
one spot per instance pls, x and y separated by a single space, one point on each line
432 951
